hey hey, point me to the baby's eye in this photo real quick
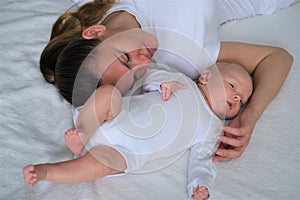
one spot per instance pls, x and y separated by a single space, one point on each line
231 85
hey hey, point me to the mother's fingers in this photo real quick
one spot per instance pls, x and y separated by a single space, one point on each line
235 142
224 153
227 154
232 130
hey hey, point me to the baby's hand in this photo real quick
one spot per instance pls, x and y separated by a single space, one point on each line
170 87
200 193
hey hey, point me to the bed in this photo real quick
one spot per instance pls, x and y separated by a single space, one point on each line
34 117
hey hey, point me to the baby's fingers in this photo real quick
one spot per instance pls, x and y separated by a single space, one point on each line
166 93
200 193
178 85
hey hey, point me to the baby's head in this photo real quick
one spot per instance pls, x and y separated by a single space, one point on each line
226 87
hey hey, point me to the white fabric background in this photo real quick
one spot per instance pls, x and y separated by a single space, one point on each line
34 118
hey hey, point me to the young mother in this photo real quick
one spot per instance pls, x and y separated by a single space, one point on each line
187 36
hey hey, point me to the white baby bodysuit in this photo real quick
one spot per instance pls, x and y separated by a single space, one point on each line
151 133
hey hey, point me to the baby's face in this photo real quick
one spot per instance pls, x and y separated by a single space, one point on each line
229 91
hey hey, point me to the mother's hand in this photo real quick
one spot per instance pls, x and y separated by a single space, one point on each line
236 137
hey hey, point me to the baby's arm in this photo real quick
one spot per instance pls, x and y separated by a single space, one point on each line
104 104
201 174
163 81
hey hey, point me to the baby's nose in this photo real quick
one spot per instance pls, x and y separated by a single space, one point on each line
237 98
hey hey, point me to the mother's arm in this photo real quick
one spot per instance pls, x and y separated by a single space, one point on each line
269 67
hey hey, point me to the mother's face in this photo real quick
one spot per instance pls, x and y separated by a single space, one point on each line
123 57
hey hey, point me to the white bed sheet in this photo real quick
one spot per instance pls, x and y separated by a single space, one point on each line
34 117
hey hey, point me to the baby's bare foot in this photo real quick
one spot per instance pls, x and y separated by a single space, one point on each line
200 193
32 175
73 141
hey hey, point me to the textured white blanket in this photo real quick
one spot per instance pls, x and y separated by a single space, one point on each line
34 117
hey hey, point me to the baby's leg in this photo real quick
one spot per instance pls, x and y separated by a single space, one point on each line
200 193
85 168
73 141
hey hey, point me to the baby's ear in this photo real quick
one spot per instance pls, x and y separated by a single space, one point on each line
204 76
